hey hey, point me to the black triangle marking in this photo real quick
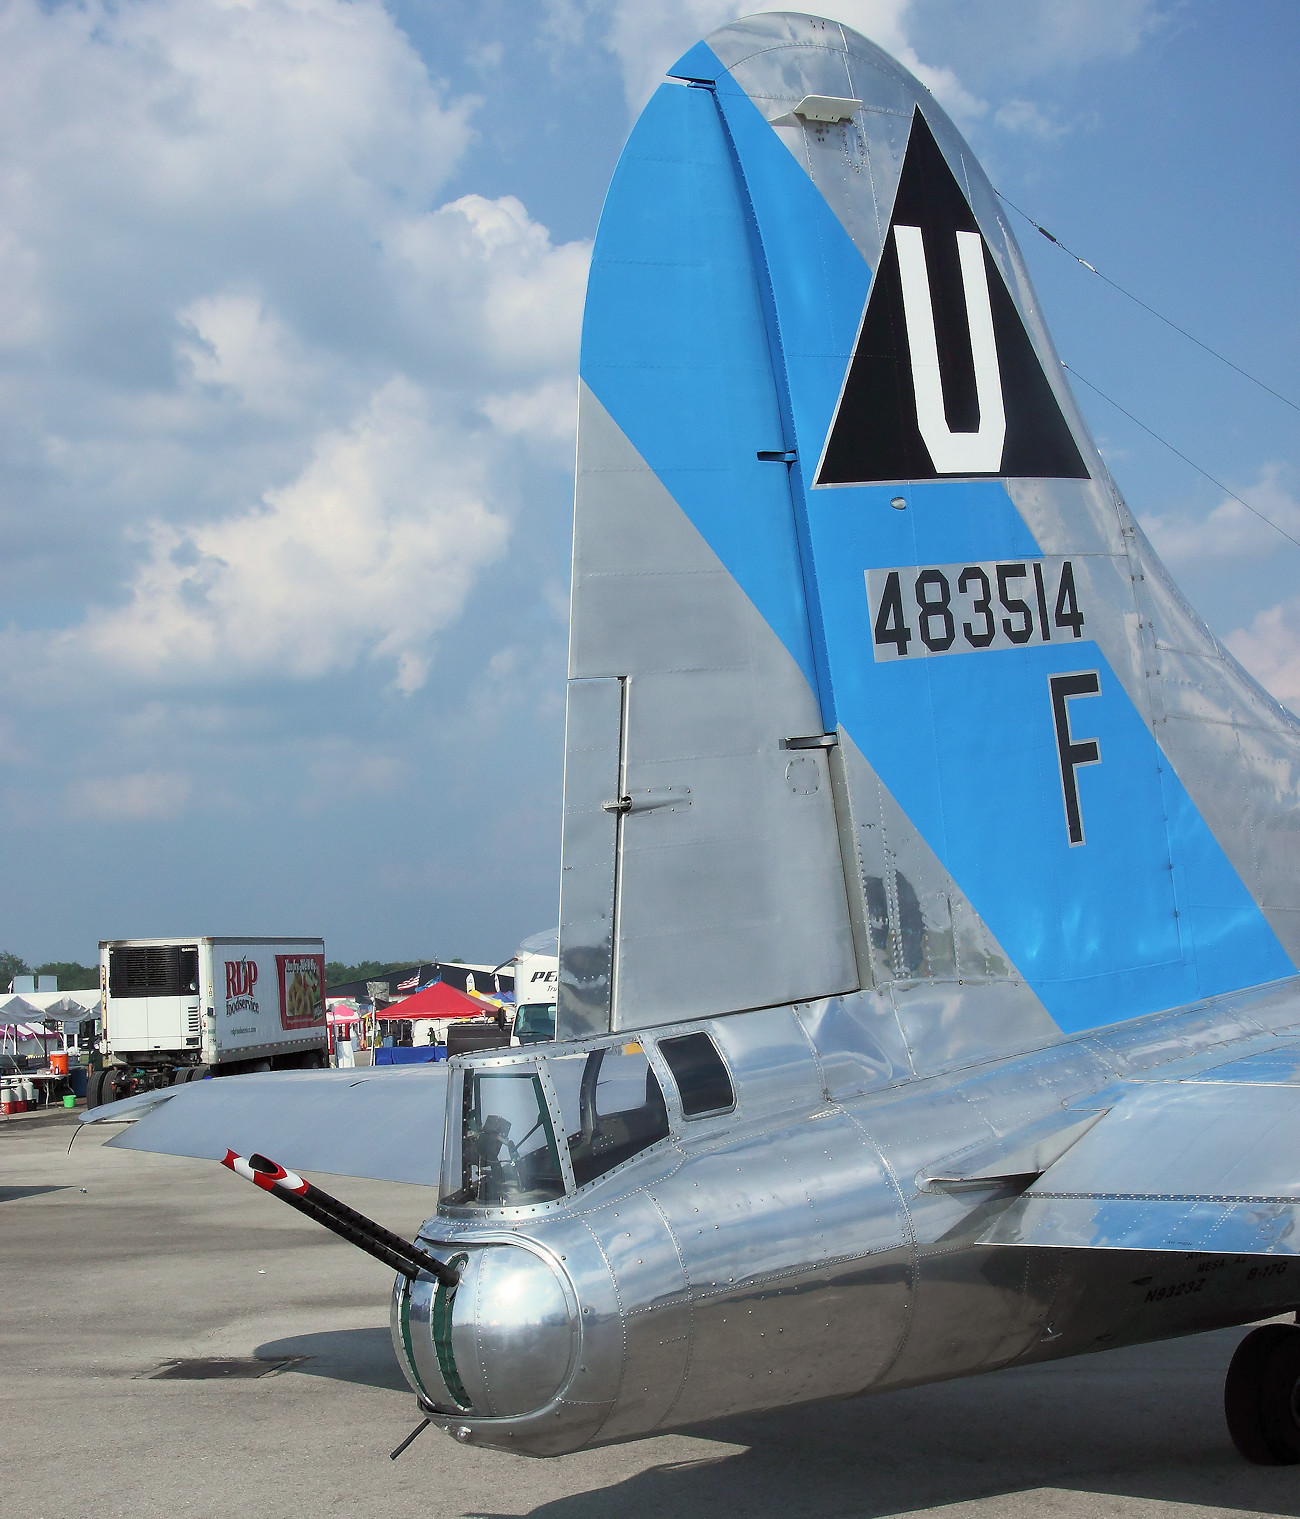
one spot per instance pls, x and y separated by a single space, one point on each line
876 434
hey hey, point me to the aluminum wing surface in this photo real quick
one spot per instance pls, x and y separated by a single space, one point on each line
1206 1163
385 1125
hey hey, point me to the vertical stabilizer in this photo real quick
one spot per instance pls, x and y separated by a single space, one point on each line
897 699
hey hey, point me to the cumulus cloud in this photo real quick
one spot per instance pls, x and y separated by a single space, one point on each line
256 380
1231 531
1231 540
373 548
547 413
241 351
480 281
1270 649
145 144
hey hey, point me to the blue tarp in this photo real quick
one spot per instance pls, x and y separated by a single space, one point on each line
410 1054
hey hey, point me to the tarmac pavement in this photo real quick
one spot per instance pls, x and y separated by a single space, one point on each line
113 1264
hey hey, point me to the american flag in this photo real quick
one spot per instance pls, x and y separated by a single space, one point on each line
409 985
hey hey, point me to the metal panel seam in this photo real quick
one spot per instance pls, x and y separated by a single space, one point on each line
690 1312
622 1329
914 1259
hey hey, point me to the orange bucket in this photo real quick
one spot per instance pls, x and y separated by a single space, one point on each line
59 1063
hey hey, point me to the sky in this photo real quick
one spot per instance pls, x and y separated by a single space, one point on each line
290 293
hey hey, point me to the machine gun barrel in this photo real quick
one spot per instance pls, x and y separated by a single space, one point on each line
395 1252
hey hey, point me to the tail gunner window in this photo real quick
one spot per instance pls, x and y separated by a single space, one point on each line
606 1106
508 1152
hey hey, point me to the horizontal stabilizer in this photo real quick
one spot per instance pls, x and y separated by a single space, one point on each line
1191 1165
385 1125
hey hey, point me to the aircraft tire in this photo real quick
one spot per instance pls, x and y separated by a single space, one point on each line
1280 1399
1252 1384
95 1089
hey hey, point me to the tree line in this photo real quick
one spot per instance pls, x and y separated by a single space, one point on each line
72 977
337 973
75 978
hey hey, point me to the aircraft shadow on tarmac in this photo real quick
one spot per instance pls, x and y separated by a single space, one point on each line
13 1194
1149 1429
361 1356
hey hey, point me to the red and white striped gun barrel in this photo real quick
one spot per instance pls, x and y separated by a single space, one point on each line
395 1252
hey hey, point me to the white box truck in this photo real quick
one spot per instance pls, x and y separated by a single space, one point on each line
536 979
184 1009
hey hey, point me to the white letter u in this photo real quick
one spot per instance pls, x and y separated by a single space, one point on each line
952 453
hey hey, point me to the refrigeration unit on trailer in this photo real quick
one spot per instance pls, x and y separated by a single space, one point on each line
182 1009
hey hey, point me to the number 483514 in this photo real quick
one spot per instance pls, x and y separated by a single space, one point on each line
921 611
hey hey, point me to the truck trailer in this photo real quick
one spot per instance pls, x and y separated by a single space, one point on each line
537 968
185 1009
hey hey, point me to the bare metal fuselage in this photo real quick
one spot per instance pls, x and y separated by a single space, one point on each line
822 1240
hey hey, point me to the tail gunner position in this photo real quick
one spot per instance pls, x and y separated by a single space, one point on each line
929 909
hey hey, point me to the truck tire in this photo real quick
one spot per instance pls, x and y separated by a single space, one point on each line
116 1084
301 1060
95 1088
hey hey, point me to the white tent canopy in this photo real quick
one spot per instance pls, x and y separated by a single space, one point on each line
18 1010
62 1005
30 1020
37 1008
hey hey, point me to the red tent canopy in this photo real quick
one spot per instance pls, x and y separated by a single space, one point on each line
436 1001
